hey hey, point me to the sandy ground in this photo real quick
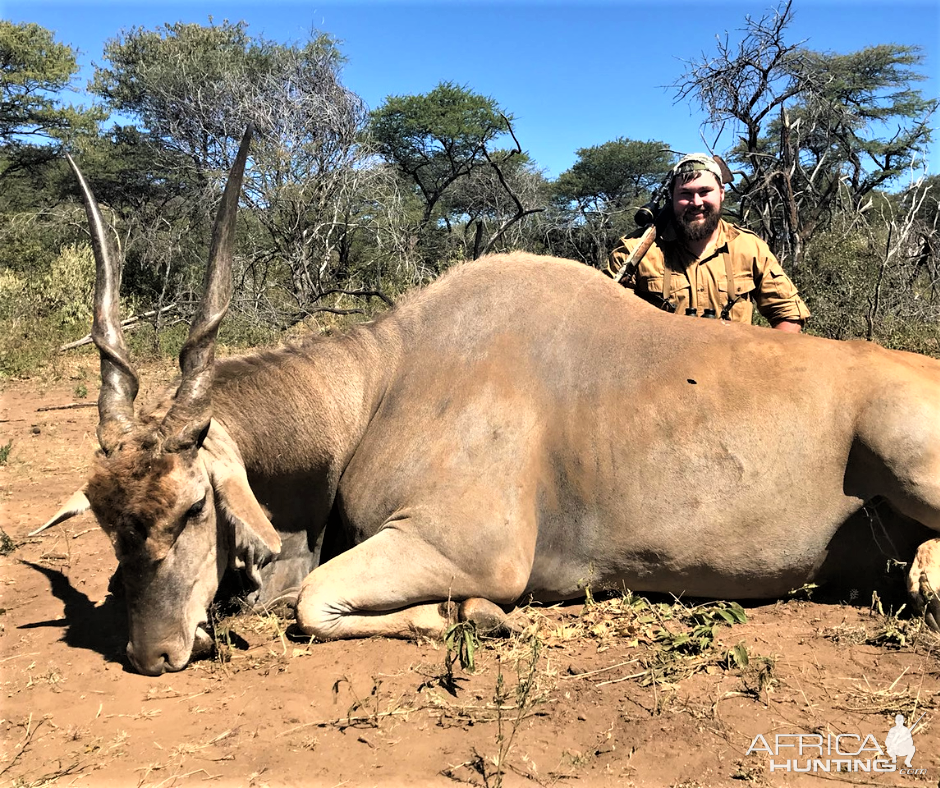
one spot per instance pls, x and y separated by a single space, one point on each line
621 692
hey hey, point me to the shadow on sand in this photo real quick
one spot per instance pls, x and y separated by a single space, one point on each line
99 628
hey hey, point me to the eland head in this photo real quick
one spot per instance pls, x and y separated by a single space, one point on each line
169 487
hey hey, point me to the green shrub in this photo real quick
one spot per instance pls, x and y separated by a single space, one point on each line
855 294
65 293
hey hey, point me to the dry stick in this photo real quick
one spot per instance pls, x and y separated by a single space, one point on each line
72 406
600 670
894 683
87 340
184 776
128 325
923 675
800 685
622 678
349 722
911 729
190 697
17 656
352 721
27 740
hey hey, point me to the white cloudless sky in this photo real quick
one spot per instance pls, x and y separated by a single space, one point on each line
573 74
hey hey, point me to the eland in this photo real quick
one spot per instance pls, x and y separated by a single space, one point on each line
521 429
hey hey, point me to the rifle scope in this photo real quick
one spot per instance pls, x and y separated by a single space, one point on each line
646 214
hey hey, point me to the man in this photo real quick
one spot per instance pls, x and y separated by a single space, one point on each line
701 262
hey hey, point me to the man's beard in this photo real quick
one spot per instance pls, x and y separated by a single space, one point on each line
699 230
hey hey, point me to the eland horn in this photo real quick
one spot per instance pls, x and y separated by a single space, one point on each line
191 411
119 381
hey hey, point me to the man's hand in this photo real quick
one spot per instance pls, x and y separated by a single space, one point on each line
790 326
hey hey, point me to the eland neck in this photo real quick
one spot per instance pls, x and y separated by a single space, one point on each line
297 413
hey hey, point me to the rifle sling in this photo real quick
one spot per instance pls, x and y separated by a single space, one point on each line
729 283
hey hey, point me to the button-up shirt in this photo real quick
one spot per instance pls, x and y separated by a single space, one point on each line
670 271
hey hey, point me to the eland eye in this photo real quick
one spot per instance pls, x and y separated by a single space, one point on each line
196 509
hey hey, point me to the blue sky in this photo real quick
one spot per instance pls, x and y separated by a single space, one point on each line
574 74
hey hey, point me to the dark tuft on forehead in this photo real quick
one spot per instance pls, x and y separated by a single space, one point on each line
128 490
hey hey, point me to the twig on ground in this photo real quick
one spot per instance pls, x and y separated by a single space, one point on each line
71 406
599 670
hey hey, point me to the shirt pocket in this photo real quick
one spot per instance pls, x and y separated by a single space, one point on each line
651 288
742 287
650 284
778 284
678 287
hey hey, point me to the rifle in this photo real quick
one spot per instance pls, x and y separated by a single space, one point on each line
649 216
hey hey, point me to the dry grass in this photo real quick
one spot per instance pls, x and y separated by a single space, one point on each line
33 730
892 630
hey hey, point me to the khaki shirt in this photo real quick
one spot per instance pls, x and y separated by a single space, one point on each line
670 271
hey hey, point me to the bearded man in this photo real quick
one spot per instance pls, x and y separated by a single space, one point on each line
702 265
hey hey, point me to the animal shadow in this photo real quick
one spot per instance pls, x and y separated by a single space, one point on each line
99 628
870 554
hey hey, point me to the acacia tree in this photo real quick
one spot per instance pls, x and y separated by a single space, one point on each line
492 201
818 132
35 71
193 89
185 85
597 194
43 264
447 136
312 179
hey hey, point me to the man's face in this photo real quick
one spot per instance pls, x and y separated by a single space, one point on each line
697 206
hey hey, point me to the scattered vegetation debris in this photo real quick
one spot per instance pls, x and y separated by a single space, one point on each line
7 545
895 630
804 592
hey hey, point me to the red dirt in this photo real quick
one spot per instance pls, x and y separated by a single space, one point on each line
379 712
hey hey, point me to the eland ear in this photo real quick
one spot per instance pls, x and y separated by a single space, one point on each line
254 540
75 505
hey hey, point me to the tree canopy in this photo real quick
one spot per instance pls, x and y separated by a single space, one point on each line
437 137
815 131
614 174
601 191
444 143
36 71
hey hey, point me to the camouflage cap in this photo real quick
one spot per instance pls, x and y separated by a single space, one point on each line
696 162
